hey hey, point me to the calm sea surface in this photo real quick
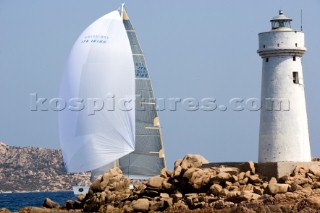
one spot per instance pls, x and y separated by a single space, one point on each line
15 201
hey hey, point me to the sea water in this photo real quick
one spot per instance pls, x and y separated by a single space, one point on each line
15 201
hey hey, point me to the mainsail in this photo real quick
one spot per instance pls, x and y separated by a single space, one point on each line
147 160
107 61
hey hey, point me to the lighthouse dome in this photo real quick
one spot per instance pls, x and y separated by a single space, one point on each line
281 22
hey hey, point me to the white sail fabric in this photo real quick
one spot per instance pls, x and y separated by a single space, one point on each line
100 71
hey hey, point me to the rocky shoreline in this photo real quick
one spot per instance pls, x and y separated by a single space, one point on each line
33 169
190 188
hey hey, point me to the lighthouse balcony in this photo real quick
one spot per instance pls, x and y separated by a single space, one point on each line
281 52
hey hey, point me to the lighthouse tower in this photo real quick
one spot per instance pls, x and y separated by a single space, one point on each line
284 134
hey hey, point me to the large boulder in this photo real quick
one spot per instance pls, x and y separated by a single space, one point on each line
216 189
277 188
315 169
141 205
155 182
193 160
113 180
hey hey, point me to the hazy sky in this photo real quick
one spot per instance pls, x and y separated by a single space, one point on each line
193 49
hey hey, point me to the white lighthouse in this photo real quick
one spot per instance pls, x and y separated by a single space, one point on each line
284 134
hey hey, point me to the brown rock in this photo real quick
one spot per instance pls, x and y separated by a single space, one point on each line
197 179
193 160
223 176
248 166
315 169
224 192
248 187
128 209
166 185
300 170
177 197
316 185
169 173
177 171
36 210
188 174
230 170
301 180
244 181
255 179
273 180
233 188
163 173
258 190
3 210
277 188
248 196
237 197
235 178
48 203
215 189
218 204
242 175
155 182
156 205
313 201
177 163
168 202
164 195
180 206
141 205
81 197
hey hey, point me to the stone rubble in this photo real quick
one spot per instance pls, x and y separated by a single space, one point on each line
190 188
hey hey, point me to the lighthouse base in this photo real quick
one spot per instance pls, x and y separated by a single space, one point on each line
280 169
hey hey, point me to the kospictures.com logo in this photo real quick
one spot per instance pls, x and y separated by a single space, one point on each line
94 105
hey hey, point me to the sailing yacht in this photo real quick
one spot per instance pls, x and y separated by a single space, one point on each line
106 67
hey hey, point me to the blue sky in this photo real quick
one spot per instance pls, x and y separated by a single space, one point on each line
193 49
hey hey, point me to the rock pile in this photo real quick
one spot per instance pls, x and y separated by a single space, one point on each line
190 187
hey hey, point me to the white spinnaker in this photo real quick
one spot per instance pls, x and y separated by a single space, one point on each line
100 64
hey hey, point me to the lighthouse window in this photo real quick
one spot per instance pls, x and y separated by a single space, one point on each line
296 44
278 45
295 77
294 58
267 59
